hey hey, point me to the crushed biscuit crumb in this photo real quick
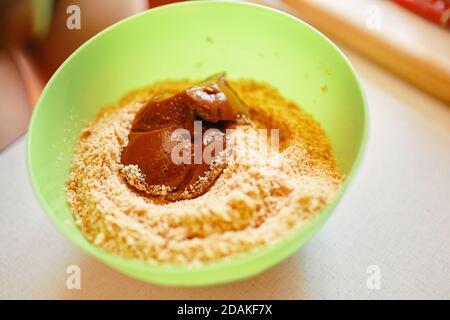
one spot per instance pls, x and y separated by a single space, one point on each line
248 207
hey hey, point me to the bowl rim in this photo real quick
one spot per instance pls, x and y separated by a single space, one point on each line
126 264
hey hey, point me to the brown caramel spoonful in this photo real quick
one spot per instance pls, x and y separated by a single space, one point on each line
150 140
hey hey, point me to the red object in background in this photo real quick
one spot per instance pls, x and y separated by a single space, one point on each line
157 3
437 11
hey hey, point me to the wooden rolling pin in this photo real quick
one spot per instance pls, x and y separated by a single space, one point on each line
401 41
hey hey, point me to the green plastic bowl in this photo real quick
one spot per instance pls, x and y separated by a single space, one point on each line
195 40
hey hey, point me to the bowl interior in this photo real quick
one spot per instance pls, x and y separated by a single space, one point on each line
194 40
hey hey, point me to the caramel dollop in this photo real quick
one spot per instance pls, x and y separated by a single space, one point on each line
150 140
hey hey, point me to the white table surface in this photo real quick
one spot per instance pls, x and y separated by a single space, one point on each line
395 215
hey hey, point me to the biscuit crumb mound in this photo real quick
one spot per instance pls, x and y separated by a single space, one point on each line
250 205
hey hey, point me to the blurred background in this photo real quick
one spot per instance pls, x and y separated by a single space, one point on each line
408 37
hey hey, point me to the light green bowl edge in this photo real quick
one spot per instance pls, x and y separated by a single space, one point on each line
210 273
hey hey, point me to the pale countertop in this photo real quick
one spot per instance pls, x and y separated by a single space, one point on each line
395 215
